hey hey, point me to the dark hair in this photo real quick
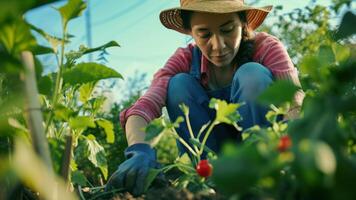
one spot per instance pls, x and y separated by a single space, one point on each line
244 55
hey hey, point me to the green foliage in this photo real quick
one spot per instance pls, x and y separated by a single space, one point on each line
317 166
320 164
71 10
225 113
67 98
273 95
88 72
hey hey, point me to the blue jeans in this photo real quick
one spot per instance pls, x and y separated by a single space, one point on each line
248 82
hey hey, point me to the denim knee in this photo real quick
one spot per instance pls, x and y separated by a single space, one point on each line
180 88
250 80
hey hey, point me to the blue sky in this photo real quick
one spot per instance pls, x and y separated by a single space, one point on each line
134 24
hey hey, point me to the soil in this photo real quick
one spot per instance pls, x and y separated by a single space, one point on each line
169 193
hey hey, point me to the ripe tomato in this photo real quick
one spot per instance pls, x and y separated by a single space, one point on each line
204 168
284 143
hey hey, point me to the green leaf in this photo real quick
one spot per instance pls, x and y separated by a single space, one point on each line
225 113
9 63
17 37
184 108
45 84
342 53
82 122
102 47
71 10
97 103
175 124
53 41
63 113
85 91
315 162
347 27
325 158
15 9
153 129
278 93
108 128
310 65
79 178
185 159
88 72
152 174
326 55
75 55
40 50
240 169
97 155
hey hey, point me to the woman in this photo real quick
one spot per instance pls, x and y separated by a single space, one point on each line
228 61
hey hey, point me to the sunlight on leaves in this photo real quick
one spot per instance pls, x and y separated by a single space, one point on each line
108 129
81 122
225 113
97 155
71 10
85 91
88 72
29 168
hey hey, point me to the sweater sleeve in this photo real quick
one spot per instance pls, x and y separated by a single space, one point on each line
149 106
271 53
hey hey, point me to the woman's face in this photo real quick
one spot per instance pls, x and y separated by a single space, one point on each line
217 35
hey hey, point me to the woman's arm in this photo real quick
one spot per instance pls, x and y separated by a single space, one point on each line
149 106
135 125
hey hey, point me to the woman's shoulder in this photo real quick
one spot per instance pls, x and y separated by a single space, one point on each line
263 38
184 52
267 46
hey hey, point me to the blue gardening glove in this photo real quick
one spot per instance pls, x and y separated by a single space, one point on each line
132 173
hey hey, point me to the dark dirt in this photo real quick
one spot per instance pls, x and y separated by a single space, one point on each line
169 193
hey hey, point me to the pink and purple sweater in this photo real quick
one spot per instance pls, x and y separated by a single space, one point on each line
269 52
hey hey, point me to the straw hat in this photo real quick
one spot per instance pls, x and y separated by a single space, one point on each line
171 18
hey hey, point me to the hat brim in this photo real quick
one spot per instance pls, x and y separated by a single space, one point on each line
171 18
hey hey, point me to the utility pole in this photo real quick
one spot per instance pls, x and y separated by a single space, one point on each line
88 29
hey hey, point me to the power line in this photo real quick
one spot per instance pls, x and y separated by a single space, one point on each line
120 14
88 29
132 24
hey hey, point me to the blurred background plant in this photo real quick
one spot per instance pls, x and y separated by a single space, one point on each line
320 164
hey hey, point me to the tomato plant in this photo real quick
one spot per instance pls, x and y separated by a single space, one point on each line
284 143
204 168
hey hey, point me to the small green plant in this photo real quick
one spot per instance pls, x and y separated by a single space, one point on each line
195 171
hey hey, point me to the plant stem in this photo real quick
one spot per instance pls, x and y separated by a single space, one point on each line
167 168
81 193
67 157
58 86
106 193
206 138
190 130
49 119
34 115
183 142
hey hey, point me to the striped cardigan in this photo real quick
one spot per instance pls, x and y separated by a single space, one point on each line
269 52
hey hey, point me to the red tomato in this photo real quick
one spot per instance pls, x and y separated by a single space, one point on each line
284 143
204 168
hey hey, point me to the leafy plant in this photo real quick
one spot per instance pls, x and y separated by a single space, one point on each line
66 96
187 163
318 162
